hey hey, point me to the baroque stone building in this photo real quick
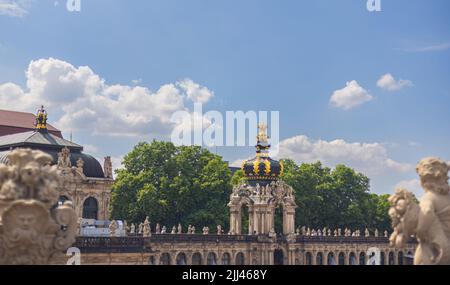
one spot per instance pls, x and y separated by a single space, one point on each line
262 193
85 183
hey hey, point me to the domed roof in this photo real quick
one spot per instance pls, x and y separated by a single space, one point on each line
262 169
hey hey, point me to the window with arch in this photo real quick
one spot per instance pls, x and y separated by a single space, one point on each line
308 258
181 259
341 258
240 259
319 258
90 208
352 259
164 259
362 258
226 259
197 259
211 259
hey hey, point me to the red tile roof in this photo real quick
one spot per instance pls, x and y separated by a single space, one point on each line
12 122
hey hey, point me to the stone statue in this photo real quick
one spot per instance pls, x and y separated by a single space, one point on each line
429 220
112 228
64 158
329 232
339 232
126 228
386 234
146 231
107 167
133 229
377 233
33 231
158 228
308 232
219 230
319 233
174 230
189 231
335 233
164 230
272 233
80 165
367 233
180 229
205 230
141 228
193 230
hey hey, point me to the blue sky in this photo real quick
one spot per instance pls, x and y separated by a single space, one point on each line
289 56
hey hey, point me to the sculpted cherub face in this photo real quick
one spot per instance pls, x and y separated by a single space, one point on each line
30 174
433 174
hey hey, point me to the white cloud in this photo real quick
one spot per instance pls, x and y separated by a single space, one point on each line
388 82
86 102
368 158
350 96
411 185
195 92
14 8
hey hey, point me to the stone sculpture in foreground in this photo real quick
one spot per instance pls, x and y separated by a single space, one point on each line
428 220
34 228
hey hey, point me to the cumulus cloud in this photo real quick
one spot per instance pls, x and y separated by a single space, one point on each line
368 158
389 83
350 96
86 102
14 8
195 92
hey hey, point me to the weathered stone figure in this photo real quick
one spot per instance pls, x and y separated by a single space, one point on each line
430 219
107 167
133 229
146 230
32 230
113 228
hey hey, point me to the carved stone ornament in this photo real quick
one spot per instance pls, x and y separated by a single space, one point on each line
32 230
428 220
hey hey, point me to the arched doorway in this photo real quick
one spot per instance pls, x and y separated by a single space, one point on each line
90 209
352 259
197 259
362 258
308 258
278 257
164 259
181 259
391 258
226 259
400 258
341 259
331 259
382 258
240 259
319 258
211 259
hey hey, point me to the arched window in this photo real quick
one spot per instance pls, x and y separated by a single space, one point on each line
400 258
308 258
164 259
240 259
362 258
382 258
197 259
319 258
90 209
226 259
341 258
181 259
278 257
391 258
352 259
211 259
330 259
410 258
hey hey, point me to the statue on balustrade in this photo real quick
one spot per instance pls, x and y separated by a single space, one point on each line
428 220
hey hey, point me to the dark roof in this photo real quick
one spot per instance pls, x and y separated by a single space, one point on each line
13 122
91 168
39 140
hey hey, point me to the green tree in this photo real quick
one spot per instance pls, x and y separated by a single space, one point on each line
172 185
